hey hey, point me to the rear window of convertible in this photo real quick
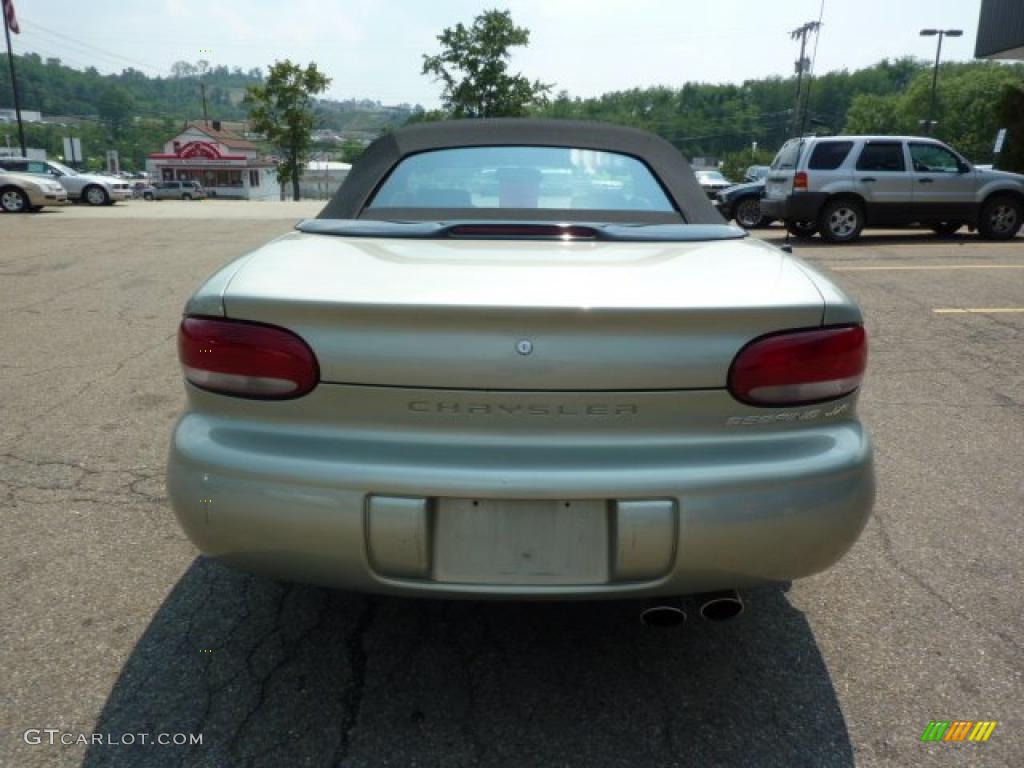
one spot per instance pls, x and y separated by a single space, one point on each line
551 178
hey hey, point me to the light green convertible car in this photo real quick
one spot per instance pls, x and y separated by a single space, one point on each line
528 360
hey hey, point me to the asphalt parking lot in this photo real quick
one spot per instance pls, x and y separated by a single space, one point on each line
112 625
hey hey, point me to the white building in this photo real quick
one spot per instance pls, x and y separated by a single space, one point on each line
322 179
9 115
223 162
33 153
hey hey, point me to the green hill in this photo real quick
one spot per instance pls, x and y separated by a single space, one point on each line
135 113
890 97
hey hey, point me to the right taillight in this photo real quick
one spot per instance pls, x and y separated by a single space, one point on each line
800 180
800 367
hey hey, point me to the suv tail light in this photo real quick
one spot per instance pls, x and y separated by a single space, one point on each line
800 367
246 359
800 180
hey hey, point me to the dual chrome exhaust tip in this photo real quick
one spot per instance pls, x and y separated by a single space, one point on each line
711 606
663 615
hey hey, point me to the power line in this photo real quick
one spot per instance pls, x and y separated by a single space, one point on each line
78 58
45 52
39 29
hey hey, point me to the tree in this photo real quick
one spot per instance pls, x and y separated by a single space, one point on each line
282 109
873 114
967 109
473 65
116 108
968 98
181 69
735 164
351 150
421 115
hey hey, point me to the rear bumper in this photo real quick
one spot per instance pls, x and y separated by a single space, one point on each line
737 511
799 206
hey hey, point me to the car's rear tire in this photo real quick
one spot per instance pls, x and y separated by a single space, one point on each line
804 229
186 196
841 221
1001 217
147 196
95 195
13 200
748 212
946 228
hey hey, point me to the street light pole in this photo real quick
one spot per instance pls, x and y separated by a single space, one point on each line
941 33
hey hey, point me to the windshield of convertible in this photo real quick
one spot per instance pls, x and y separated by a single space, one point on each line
522 178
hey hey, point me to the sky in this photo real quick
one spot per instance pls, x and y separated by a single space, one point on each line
373 48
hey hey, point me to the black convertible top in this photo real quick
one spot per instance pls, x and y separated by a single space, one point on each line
663 159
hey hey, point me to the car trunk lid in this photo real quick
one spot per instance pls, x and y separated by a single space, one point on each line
523 315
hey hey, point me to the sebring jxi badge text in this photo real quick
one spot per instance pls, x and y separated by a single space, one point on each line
782 416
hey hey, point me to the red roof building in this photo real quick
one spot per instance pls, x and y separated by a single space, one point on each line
226 164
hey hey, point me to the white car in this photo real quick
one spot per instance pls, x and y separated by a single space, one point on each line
712 182
92 188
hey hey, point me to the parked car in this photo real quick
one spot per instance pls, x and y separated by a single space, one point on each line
757 172
442 389
712 182
846 183
142 190
175 190
21 193
742 202
92 188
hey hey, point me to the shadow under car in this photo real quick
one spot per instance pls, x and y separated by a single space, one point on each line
274 674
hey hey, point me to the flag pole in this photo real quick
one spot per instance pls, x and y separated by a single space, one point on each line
14 84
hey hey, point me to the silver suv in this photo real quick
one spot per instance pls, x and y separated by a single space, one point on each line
175 190
837 185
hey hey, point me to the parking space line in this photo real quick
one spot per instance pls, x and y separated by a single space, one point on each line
926 267
978 311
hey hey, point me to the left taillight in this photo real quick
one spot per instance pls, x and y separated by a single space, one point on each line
235 357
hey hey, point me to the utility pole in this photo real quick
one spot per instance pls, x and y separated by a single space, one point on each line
802 64
206 114
14 77
930 125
